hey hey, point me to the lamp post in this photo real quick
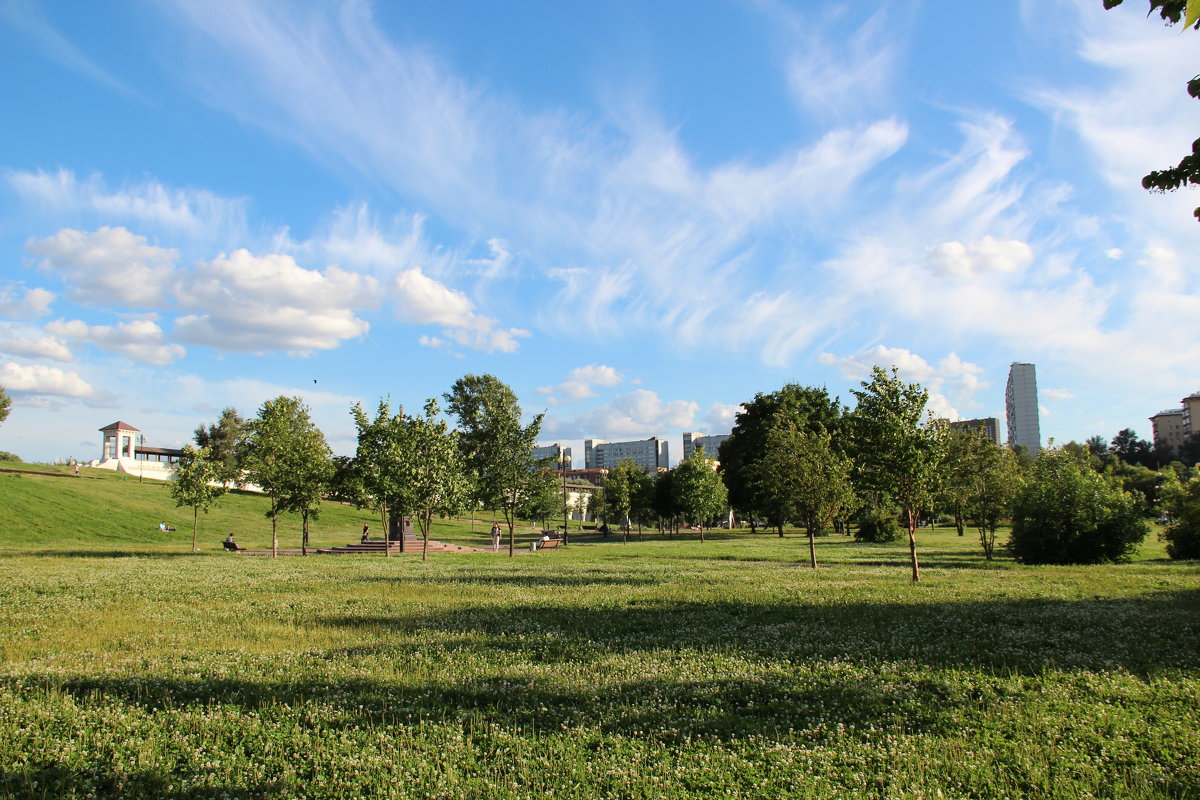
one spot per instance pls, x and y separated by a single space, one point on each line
562 463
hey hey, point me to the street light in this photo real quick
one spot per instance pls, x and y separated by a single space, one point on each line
562 463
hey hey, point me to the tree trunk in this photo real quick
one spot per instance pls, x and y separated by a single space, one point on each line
304 533
195 522
959 522
424 536
779 528
274 530
383 521
912 546
812 546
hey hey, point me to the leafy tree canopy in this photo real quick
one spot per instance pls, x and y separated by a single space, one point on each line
898 452
5 404
1187 171
1067 513
806 407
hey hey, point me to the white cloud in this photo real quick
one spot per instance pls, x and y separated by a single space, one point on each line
141 340
34 346
255 304
356 238
823 69
107 266
1114 253
640 413
987 255
423 300
39 380
950 375
580 381
197 213
31 304
720 417
1056 394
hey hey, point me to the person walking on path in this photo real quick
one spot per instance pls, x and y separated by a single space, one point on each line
495 537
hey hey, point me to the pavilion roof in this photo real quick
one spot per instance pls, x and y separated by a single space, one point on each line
120 426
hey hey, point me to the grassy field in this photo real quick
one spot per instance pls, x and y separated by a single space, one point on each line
663 668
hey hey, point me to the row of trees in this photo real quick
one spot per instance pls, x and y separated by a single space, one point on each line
795 456
404 464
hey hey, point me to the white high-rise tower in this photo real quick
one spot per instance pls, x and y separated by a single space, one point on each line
1021 407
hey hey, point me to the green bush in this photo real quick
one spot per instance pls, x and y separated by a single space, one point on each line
7 456
878 525
1182 504
1069 514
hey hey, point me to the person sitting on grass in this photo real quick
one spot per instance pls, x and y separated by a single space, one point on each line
165 528
230 544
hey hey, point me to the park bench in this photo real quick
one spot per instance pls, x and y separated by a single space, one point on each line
234 546
549 543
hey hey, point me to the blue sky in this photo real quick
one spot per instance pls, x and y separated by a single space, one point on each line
637 214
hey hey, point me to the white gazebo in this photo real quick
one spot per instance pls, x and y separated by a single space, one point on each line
122 450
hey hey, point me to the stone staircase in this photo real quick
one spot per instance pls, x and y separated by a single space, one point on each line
412 545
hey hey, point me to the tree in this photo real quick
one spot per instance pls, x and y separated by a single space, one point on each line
5 404
1181 502
620 490
1188 170
311 482
996 474
1069 514
281 455
224 441
698 489
378 461
542 496
666 506
1098 445
897 451
958 474
643 499
193 484
431 477
494 444
810 408
803 470
1129 448
1189 451
473 399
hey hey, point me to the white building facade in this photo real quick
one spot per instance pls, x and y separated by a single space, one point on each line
692 439
649 454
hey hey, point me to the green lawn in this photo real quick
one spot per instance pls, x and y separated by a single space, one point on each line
658 668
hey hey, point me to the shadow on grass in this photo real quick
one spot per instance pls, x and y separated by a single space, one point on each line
665 710
521 579
56 780
98 554
1143 635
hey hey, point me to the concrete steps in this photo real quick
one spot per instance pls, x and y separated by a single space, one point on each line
411 545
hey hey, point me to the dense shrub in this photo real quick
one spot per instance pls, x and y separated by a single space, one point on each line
1069 514
7 456
878 525
1182 504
